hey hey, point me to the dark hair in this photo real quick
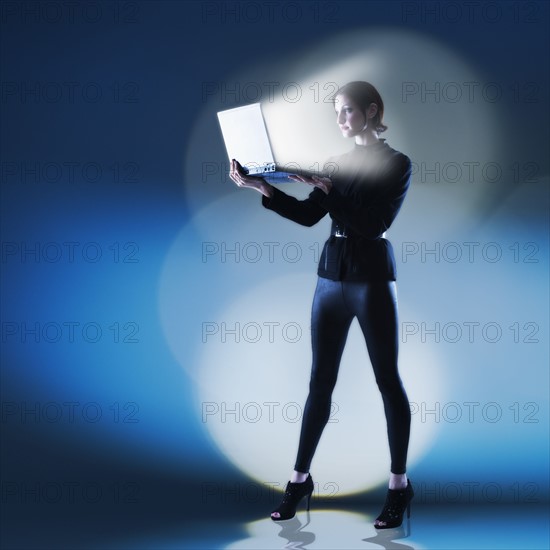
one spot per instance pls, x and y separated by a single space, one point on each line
364 93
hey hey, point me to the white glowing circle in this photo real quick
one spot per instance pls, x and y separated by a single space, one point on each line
230 243
437 107
240 328
200 291
253 380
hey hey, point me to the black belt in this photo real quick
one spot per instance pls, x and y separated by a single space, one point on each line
340 232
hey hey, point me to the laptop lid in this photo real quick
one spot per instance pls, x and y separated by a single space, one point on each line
245 135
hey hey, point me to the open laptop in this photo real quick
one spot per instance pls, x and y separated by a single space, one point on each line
246 140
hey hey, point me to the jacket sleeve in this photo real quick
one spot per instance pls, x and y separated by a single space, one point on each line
305 212
374 217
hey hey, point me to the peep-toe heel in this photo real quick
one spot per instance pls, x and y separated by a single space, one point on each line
397 501
294 493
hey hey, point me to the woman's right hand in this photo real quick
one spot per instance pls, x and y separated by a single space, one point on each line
252 182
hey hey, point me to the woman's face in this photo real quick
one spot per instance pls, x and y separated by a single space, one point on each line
349 116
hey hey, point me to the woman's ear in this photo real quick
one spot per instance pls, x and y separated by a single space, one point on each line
372 110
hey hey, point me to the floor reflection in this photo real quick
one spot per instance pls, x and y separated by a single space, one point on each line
507 527
325 529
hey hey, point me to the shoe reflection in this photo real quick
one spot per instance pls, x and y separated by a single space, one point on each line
386 538
323 529
293 532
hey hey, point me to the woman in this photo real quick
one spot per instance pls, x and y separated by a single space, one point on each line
356 273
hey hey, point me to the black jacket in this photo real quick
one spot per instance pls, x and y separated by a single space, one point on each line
369 186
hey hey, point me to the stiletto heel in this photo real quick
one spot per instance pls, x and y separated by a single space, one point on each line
397 501
294 493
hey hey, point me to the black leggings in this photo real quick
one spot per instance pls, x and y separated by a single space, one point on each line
335 305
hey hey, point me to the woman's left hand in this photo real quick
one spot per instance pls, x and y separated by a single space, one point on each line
324 183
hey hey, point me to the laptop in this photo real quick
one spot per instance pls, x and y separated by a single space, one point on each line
246 140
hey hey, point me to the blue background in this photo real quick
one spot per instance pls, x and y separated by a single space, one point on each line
134 448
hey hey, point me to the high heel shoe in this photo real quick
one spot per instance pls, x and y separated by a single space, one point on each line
294 493
397 501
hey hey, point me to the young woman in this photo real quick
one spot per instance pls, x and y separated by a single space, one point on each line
356 278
